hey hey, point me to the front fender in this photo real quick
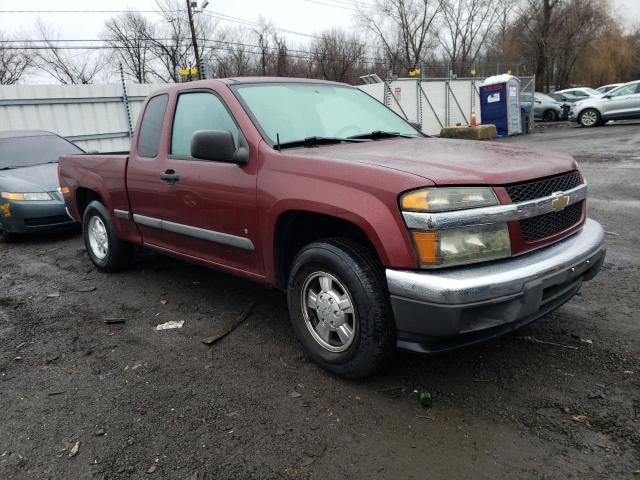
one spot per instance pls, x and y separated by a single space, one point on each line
366 196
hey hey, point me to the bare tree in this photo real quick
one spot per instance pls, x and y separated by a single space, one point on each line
68 69
174 49
14 62
466 27
264 33
584 22
233 57
337 54
129 34
404 28
539 20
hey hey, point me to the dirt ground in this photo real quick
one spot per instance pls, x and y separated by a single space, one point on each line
557 400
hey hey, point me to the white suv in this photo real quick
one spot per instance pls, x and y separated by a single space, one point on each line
621 103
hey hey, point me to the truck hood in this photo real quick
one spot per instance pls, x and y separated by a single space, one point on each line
38 178
450 162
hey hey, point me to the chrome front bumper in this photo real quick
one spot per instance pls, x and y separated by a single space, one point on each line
440 310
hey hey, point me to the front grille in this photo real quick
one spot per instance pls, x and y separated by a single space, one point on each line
521 192
549 224
41 221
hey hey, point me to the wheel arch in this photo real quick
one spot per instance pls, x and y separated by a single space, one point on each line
296 228
84 196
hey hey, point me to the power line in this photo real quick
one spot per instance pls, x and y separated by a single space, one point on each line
44 44
217 15
227 47
343 7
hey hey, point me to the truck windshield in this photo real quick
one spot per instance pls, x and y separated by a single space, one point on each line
298 111
26 151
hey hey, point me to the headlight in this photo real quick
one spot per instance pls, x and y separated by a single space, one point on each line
26 196
447 199
462 246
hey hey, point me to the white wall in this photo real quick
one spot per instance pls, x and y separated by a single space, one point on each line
434 103
92 116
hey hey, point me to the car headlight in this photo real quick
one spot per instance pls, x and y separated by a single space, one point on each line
31 196
447 199
462 245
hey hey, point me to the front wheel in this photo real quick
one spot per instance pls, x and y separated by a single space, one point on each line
550 116
589 118
339 308
107 252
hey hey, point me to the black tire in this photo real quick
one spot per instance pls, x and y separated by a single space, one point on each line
5 236
550 116
357 269
118 252
590 118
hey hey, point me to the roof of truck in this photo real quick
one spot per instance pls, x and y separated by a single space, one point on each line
236 80
242 81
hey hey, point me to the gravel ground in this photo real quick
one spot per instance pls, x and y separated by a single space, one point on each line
141 403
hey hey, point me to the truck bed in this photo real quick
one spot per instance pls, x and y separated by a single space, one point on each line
97 172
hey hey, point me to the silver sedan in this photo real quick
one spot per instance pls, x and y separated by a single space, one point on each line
547 108
622 103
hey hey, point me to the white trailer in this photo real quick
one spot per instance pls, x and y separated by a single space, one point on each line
436 103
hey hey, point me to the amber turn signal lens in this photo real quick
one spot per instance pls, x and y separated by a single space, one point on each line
65 190
427 246
415 200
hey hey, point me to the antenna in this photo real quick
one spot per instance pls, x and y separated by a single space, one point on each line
278 140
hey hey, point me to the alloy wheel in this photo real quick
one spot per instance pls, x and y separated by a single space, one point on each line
98 237
328 311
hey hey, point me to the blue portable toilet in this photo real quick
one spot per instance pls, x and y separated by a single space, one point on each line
500 104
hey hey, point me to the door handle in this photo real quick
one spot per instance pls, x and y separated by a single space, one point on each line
169 176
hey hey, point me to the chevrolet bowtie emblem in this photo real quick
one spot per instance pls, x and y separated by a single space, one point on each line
560 201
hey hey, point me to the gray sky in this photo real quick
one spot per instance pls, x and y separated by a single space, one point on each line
299 15
306 16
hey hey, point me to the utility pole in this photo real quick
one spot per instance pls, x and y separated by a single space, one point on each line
195 41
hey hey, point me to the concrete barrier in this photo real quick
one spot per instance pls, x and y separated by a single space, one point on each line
479 132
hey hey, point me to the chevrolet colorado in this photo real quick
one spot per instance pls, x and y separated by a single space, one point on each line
381 237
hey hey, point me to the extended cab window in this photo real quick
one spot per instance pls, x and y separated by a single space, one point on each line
151 126
198 111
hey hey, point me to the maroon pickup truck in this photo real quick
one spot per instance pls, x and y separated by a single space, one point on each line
382 238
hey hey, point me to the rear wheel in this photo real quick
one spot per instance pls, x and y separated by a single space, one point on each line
107 252
339 308
550 116
589 118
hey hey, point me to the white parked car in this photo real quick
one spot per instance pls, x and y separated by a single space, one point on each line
622 103
607 88
583 92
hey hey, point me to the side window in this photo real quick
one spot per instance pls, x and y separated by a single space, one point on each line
151 126
198 111
628 90
578 93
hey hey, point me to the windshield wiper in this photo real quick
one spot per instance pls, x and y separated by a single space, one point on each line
312 141
377 134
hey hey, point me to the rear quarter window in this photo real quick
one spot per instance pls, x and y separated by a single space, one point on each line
151 126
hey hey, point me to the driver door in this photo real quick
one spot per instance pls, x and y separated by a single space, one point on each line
621 102
210 208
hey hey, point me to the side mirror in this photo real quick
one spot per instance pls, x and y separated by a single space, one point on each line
538 101
217 146
606 97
